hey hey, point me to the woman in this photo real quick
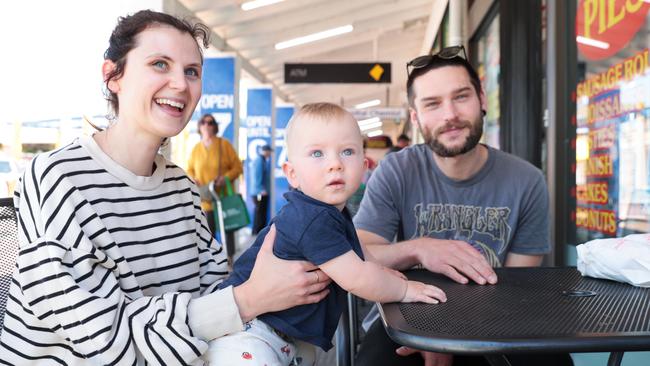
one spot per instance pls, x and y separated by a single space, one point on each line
211 160
116 263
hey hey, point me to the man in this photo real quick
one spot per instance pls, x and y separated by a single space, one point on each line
403 141
261 187
453 205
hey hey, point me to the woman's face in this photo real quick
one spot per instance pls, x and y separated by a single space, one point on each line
161 84
208 127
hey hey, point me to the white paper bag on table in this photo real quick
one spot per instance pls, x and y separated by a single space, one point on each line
624 259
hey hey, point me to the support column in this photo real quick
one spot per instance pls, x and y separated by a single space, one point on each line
521 79
456 22
561 80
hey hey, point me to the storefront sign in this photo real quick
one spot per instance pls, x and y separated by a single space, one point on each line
604 27
611 162
621 72
259 128
218 94
282 116
598 170
377 72
379 142
396 114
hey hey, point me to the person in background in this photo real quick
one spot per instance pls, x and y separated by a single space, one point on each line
403 141
261 187
451 205
211 160
116 264
325 165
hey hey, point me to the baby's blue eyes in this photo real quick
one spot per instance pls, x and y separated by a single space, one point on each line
319 153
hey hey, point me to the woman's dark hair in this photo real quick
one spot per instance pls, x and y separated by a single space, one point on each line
123 40
203 118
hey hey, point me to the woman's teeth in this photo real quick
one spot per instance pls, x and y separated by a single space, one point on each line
172 103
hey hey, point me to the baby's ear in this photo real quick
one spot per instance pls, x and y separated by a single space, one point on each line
365 164
290 173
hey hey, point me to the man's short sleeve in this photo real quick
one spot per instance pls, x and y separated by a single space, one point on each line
533 233
378 212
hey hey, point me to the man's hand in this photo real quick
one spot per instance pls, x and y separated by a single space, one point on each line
430 358
456 259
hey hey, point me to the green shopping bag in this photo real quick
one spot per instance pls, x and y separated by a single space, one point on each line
233 207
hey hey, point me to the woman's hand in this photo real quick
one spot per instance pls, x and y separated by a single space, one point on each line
219 181
276 284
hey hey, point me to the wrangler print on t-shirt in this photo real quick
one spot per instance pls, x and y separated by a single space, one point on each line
485 228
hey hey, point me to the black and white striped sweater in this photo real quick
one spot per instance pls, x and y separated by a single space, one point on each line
111 266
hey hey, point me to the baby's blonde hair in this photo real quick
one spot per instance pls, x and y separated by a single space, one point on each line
322 111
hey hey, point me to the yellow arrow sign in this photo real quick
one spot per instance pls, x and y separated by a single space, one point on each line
376 72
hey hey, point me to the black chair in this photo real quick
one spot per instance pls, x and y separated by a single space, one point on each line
8 250
349 332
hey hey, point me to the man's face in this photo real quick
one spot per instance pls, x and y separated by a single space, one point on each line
447 110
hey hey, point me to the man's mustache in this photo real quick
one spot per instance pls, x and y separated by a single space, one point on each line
453 126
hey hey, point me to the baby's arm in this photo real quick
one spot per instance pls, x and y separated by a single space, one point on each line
373 282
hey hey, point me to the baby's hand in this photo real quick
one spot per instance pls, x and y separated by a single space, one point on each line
420 292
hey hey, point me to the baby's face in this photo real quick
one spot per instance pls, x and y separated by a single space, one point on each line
326 160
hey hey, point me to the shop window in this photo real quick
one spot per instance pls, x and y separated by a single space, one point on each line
612 119
485 57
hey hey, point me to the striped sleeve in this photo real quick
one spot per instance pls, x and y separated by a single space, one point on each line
78 298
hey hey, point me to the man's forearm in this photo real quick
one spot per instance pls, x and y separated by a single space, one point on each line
456 259
522 260
400 256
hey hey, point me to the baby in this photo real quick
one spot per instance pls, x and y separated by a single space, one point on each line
325 166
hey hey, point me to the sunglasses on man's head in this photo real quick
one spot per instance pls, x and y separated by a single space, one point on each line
424 61
209 123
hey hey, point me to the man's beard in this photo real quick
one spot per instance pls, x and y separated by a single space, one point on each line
475 133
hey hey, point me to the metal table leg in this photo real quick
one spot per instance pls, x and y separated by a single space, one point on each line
498 360
615 358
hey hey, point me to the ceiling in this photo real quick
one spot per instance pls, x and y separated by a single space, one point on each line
384 31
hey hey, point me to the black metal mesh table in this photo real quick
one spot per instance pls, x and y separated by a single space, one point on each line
530 310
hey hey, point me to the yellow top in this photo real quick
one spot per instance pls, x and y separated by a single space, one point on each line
207 162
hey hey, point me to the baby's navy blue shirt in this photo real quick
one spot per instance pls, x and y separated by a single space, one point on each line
310 230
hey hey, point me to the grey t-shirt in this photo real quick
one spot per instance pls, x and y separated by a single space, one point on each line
502 209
